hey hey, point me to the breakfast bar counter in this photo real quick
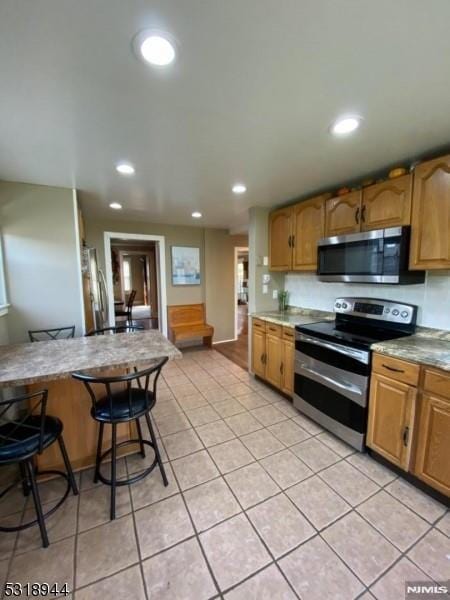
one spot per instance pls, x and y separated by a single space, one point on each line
50 364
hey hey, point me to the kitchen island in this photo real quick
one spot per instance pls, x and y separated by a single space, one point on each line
50 364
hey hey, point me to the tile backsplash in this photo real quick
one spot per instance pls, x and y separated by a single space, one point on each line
432 297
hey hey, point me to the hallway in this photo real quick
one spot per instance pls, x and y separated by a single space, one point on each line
237 351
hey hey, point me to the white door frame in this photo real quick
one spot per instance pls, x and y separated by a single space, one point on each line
237 249
160 261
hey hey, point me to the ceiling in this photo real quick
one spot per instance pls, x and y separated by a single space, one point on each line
252 94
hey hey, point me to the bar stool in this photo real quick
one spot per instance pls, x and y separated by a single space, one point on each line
25 433
117 329
122 406
57 333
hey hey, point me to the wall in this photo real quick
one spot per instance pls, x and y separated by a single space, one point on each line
432 297
219 281
258 247
175 236
41 258
4 337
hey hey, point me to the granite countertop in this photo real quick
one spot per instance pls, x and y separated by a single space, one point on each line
22 364
432 351
291 318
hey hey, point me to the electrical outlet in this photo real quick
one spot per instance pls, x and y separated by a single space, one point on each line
275 294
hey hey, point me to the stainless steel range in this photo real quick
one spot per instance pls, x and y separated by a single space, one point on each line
333 362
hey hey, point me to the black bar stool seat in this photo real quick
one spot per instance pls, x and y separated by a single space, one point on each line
27 439
121 406
26 431
119 409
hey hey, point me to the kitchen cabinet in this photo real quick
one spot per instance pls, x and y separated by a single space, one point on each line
387 204
273 354
259 348
391 419
308 229
432 464
280 240
430 224
409 419
343 214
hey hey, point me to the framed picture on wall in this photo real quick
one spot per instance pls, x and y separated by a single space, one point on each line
185 265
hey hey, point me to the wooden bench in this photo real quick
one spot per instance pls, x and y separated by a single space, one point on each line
187 321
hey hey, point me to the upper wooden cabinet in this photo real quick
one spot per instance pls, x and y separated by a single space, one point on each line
387 204
308 228
280 240
430 225
343 214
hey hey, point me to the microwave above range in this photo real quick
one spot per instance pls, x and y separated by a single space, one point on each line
379 256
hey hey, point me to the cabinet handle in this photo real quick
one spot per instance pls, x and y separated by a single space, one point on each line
357 216
392 369
290 241
363 213
405 436
262 358
281 368
293 241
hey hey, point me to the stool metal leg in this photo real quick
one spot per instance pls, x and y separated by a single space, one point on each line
25 483
37 502
139 430
68 466
155 445
99 452
113 473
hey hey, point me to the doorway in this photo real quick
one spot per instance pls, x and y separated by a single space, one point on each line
135 266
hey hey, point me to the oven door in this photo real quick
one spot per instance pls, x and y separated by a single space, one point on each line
332 388
370 256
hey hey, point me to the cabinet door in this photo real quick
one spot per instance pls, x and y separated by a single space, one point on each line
387 204
343 214
433 443
274 357
309 227
391 418
258 352
280 240
287 369
430 223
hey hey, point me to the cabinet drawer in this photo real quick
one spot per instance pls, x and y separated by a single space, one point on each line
399 370
289 334
437 382
274 330
259 324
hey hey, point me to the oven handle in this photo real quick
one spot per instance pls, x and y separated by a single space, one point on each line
358 355
350 391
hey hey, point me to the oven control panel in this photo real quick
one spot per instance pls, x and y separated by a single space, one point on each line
375 308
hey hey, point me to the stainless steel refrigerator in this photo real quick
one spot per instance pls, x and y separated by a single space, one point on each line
97 288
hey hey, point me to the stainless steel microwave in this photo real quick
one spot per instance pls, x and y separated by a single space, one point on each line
379 256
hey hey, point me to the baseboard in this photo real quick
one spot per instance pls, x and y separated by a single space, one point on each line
224 341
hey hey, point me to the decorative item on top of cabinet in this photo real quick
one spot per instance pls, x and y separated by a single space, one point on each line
430 223
308 229
280 239
432 464
343 214
387 204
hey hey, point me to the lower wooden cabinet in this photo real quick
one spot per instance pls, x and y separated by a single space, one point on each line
432 463
391 419
273 354
409 425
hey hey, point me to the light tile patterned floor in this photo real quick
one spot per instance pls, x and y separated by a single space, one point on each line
262 504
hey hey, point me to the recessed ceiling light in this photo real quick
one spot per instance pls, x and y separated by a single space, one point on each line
155 47
345 125
239 188
115 205
197 215
125 169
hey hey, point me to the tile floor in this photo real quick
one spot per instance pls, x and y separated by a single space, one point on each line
262 504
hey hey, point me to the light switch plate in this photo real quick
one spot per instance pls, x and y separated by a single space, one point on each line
266 278
265 289
274 294
266 261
